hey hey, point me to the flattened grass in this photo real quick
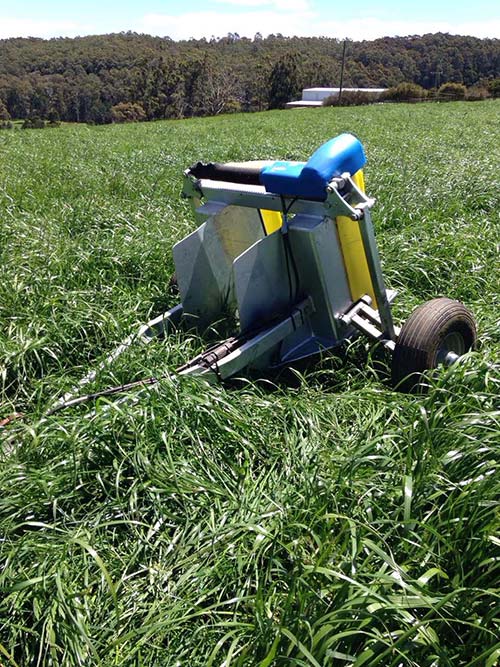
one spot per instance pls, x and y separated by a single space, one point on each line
327 521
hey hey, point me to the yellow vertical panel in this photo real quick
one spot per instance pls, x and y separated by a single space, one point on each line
351 243
272 220
359 180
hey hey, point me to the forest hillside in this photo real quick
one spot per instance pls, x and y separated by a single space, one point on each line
83 79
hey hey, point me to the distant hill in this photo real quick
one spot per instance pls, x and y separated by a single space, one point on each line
92 79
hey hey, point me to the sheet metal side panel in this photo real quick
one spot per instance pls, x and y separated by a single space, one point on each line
322 273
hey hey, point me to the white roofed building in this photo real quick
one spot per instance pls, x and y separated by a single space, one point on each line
314 97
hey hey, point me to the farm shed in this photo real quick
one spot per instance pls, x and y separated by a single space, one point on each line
314 97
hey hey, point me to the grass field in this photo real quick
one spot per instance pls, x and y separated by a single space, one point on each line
324 521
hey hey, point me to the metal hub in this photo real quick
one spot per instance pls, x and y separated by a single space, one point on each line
452 347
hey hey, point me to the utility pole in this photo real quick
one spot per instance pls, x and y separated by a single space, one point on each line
437 75
342 71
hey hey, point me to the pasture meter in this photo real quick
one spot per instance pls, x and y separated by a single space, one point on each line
286 251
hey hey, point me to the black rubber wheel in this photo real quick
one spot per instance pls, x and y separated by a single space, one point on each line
433 330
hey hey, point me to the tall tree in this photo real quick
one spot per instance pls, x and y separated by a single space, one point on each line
284 81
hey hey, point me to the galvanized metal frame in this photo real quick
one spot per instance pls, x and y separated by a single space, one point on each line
289 334
344 198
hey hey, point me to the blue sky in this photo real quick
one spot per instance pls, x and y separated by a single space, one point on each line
359 19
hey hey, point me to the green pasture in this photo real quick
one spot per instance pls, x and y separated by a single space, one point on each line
314 519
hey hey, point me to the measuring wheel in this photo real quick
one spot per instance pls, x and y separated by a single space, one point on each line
437 332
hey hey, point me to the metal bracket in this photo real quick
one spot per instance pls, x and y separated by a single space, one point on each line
345 198
367 320
191 190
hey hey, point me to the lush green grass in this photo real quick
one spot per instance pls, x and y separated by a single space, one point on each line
330 521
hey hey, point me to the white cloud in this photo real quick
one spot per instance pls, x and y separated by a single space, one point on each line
292 5
208 23
372 28
23 27
302 23
288 17
244 3
287 5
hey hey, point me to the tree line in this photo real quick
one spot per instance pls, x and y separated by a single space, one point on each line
127 76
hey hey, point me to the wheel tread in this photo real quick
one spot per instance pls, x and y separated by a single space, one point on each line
418 342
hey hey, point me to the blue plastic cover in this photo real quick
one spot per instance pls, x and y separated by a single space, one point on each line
309 179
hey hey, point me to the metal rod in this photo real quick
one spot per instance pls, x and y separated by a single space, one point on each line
157 327
342 72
